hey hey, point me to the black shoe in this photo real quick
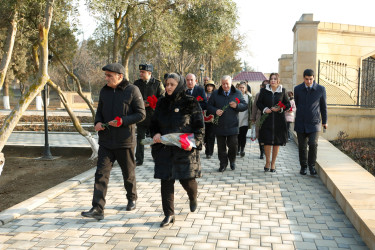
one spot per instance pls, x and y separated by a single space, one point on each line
242 154
261 156
193 205
266 169
138 163
232 165
273 170
94 213
238 153
208 156
222 169
303 171
131 205
312 170
167 220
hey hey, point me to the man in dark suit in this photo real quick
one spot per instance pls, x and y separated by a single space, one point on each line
195 90
311 103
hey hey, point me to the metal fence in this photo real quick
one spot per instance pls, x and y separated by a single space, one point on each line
344 84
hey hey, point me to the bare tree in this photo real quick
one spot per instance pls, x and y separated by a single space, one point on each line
41 79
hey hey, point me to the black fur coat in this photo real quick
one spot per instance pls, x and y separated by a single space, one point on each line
177 114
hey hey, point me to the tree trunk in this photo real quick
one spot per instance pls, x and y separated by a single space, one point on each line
129 47
8 47
210 66
116 37
41 79
6 102
78 84
94 145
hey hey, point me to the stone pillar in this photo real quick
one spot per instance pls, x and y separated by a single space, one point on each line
286 71
304 47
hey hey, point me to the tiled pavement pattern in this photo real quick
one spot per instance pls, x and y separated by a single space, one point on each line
241 209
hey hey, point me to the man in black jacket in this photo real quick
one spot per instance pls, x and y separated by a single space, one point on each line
196 91
226 103
148 86
120 108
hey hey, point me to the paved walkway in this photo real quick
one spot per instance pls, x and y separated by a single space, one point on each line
241 209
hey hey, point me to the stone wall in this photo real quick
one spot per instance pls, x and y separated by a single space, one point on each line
75 101
286 71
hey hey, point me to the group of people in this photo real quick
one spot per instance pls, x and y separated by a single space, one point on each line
185 107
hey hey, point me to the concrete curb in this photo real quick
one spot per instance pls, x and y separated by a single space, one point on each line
39 199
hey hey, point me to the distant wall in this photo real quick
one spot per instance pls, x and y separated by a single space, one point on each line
356 122
75 101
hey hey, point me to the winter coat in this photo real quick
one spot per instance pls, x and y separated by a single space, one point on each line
228 121
256 114
273 131
152 87
244 117
125 102
311 108
199 91
181 114
290 113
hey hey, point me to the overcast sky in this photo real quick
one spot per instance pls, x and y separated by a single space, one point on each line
267 24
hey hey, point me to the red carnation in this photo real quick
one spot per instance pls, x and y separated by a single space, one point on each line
185 143
118 121
199 98
152 100
281 105
237 100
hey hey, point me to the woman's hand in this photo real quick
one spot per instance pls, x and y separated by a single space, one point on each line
156 138
268 111
275 109
189 148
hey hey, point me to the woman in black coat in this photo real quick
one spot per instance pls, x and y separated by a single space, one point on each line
273 131
176 113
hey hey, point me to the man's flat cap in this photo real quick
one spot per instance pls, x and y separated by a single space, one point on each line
114 67
147 67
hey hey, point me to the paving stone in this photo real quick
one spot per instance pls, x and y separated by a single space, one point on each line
241 209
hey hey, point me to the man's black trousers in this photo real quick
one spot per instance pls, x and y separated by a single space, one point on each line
106 158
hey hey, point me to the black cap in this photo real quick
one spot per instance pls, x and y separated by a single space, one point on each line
114 67
147 67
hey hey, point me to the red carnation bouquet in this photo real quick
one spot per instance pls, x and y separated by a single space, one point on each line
216 120
117 120
152 100
265 115
181 140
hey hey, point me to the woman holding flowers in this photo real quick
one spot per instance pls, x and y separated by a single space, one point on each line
177 112
272 102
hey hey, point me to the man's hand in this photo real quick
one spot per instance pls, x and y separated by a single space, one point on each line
325 126
147 104
219 112
233 105
114 123
99 127
189 148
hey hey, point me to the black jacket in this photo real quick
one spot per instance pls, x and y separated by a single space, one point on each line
181 114
126 102
228 121
199 91
311 108
153 87
273 130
